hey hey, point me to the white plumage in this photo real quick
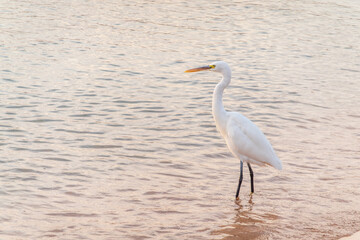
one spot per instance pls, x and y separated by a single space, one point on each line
247 142
244 139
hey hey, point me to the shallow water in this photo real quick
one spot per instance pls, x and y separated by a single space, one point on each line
104 137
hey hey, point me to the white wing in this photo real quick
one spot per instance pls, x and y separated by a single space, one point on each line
246 139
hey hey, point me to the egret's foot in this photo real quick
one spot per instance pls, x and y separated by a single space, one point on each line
237 198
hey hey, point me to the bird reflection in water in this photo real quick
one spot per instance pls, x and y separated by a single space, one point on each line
247 223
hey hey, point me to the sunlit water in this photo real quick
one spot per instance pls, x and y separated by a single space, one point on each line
104 137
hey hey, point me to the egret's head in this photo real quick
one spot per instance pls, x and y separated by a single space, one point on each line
219 66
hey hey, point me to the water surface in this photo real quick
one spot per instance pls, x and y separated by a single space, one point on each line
104 137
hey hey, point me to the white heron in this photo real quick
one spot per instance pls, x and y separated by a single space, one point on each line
243 138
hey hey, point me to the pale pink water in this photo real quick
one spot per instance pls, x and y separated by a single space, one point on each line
104 137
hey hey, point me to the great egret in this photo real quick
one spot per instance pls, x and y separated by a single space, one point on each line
244 139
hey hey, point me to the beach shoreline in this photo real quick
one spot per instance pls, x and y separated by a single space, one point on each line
355 236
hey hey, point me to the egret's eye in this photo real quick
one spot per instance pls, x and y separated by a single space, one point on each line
212 66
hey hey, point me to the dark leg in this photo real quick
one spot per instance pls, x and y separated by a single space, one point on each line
252 177
240 180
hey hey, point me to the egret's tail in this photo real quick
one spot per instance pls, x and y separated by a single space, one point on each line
276 163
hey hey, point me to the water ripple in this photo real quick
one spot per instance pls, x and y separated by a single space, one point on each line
103 135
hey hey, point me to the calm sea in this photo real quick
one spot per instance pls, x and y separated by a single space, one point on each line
103 135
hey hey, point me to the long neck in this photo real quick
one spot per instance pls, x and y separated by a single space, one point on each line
218 110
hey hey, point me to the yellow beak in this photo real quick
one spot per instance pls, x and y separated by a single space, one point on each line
198 69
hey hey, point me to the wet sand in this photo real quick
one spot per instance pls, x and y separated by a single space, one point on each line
355 236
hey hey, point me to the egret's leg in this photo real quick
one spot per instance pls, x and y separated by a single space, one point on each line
240 180
252 177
